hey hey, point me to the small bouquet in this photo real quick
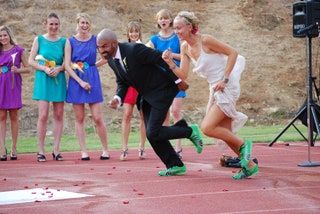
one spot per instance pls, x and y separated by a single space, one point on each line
80 66
50 64
13 56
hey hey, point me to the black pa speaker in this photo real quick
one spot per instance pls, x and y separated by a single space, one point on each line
306 14
303 117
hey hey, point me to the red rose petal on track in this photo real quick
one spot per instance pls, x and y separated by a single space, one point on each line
58 190
33 193
109 173
42 193
92 169
4 179
140 193
134 190
234 171
26 187
36 185
157 167
37 201
75 185
50 196
200 170
48 192
125 202
83 183
114 167
128 170
225 190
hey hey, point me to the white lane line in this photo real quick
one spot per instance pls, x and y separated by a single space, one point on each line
37 195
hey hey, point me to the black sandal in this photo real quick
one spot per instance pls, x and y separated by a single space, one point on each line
13 157
3 158
57 157
41 158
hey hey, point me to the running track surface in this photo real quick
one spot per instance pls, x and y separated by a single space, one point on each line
133 186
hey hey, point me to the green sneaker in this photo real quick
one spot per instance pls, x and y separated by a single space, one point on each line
245 153
246 172
196 137
175 170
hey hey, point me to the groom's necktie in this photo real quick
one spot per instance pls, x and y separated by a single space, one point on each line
119 69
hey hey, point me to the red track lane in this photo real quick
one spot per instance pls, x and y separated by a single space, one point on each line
133 186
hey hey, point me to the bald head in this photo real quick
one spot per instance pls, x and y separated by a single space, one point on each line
106 34
107 43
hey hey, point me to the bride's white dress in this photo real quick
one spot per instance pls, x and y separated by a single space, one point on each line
211 66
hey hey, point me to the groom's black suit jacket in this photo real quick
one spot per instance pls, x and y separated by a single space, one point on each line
146 71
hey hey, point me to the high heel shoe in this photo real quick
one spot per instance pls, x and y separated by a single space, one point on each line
41 157
3 157
13 157
57 157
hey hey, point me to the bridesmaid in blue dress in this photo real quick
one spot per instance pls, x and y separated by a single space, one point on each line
84 84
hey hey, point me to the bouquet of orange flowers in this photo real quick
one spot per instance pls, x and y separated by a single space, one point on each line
50 64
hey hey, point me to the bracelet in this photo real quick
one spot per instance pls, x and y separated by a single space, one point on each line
225 80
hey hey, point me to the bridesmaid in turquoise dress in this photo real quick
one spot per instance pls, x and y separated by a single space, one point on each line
46 57
84 86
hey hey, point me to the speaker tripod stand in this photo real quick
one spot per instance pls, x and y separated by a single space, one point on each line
309 108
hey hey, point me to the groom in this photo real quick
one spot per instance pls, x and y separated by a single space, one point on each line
143 68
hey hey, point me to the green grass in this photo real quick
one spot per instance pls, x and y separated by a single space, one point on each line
69 142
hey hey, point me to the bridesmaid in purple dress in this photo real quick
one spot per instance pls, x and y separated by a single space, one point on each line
11 58
84 86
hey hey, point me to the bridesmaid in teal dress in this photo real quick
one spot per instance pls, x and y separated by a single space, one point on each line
46 57
84 86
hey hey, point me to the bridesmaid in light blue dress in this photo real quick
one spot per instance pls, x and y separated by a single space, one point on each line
46 57
84 86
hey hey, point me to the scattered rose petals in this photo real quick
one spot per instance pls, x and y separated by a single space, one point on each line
58 190
109 173
26 187
158 167
225 190
37 201
134 190
234 171
36 185
125 202
128 170
75 185
140 193
50 196
200 170
83 183
91 169
4 179
114 167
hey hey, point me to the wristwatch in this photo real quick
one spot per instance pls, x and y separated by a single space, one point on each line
226 80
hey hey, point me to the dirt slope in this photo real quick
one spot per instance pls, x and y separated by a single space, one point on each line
273 85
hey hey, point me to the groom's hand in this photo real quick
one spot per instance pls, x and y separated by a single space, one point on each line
114 103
